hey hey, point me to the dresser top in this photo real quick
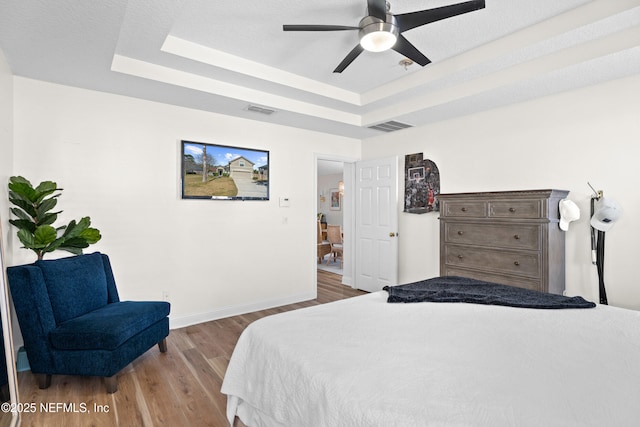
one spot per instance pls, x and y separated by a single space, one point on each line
548 193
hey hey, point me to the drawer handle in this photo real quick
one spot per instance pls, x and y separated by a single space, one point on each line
460 257
463 209
516 236
512 210
460 233
516 263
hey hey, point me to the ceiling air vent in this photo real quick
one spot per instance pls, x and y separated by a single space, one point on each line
390 126
261 110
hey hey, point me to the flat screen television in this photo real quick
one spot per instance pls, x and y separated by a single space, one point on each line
224 172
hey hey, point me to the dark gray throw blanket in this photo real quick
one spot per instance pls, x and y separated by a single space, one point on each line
464 289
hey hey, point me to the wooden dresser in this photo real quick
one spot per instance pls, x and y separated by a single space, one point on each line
508 237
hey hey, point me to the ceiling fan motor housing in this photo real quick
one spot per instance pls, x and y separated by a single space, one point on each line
377 35
380 30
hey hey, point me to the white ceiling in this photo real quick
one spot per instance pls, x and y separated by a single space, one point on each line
221 56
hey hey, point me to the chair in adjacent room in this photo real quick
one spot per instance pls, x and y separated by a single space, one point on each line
334 236
73 322
324 247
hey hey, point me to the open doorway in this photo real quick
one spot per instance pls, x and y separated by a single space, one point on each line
330 208
328 170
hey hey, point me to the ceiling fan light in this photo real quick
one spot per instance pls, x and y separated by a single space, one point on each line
377 35
378 41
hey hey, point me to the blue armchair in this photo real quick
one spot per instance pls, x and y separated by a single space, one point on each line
73 322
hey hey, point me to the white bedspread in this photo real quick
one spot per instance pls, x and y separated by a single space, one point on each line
364 362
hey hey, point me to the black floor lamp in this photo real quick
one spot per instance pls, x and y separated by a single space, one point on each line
604 213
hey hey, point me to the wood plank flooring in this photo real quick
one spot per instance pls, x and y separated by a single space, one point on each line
177 388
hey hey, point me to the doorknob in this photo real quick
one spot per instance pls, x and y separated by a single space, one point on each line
392 234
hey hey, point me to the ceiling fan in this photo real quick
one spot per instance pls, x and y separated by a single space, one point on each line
381 30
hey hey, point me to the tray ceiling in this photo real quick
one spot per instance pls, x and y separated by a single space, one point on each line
223 56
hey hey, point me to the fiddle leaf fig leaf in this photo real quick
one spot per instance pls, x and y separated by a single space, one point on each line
50 218
44 235
26 238
75 242
25 206
44 189
91 235
72 249
72 230
24 224
46 205
20 214
22 189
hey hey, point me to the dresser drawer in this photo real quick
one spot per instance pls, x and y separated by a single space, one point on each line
507 262
463 209
516 209
514 236
520 282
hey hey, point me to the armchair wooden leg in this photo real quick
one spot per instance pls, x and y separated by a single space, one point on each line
44 380
111 383
162 345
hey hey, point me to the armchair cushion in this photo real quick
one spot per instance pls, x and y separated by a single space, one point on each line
109 327
76 285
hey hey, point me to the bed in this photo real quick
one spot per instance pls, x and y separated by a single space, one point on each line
366 362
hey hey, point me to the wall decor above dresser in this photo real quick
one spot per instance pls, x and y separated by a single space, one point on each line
508 237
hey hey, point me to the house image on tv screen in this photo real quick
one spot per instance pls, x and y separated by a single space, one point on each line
223 172
241 168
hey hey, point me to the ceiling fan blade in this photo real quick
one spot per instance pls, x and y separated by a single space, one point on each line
404 47
377 8
349 58
318 28
407 21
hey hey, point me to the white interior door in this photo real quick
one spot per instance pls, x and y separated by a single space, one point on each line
376 234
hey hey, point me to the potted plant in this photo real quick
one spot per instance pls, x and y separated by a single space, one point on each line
35 219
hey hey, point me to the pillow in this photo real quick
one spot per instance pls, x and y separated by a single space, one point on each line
76 285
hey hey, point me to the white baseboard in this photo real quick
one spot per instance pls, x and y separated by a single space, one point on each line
193 319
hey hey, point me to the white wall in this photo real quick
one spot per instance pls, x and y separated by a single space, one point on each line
561 141
118 160
326 183
6 142
6 168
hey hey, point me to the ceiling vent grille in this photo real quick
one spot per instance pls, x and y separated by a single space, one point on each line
390 126
261 110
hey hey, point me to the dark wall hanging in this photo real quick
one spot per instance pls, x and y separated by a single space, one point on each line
422 185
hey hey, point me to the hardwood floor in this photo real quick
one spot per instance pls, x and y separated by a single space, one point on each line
177 388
